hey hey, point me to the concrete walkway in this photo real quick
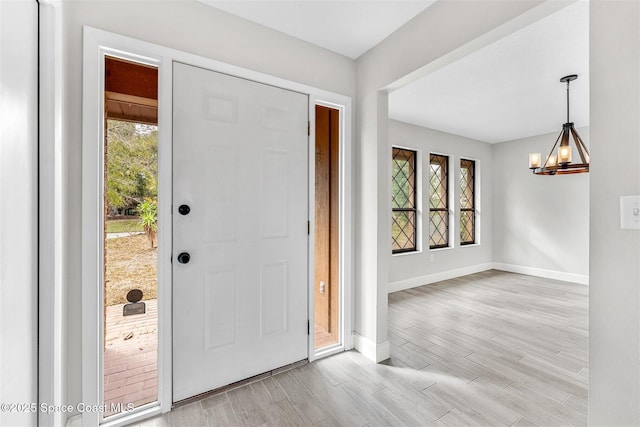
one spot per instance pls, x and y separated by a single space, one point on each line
125 234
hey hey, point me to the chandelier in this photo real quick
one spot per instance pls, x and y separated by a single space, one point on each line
559 162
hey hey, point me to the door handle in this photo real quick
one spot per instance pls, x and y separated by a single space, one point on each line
184 209
184 258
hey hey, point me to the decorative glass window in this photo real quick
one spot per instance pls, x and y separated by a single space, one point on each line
403 200
438 201
467 202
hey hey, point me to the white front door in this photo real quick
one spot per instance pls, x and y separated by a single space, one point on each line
240 165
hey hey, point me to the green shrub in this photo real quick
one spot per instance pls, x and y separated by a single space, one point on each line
148 211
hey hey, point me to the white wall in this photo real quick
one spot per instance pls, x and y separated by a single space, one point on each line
614 290
18 209
443 32
542 221
188 26
413 269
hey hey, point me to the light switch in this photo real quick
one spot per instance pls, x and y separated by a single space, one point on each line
630 212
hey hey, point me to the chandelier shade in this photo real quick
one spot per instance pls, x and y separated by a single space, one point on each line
559 159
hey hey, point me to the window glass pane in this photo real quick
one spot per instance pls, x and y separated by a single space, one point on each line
438 228
438 201
467 226
466 183
403 200
403 179
467 201
438 182
403 227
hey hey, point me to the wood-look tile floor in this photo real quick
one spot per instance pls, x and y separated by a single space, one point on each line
488 349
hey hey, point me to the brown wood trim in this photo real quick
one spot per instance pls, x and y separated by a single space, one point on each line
131 78
131 99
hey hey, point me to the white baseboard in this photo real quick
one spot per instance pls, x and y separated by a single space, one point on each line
371 350
414 282
540 272
401 285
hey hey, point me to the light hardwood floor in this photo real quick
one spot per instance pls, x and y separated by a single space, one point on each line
489 349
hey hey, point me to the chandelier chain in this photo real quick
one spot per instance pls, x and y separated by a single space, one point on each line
568 101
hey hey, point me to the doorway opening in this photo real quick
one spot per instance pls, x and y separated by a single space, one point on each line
327 228
96 45
130 362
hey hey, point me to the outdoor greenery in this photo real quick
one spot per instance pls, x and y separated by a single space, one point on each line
401 186
148 212
131 189
124 226
132 165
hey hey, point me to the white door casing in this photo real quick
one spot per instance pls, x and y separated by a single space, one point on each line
240 162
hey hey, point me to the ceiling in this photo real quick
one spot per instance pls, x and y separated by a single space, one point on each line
504 91
509 89
348 27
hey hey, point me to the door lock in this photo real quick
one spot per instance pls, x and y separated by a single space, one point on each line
184 209
184 258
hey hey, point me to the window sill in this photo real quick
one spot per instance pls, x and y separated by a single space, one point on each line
405 253
448 248
471 245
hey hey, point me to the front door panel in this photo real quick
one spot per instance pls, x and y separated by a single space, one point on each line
240 165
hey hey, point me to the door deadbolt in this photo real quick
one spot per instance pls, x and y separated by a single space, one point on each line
184 258
184 209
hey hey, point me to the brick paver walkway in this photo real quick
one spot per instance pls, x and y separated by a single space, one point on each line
130 357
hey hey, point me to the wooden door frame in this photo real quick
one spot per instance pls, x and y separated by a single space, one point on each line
96 44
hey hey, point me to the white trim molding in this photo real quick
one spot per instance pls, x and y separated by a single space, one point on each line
582 279
343 105
50 352
96 45
371 350
414 282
